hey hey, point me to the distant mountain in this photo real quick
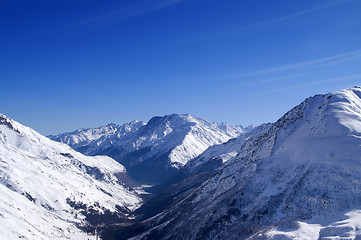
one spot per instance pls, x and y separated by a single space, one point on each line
152 152
47 189
90 139
299 179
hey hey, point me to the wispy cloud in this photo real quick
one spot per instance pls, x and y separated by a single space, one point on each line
316 63
294 15
311 83
323 82
235 30
276 79
120 15
267 80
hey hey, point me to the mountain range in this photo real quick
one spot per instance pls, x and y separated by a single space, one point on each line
152 152
297 178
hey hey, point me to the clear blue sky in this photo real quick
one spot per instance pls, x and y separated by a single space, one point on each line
71 64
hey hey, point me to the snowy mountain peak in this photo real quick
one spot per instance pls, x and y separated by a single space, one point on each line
336 113
172 119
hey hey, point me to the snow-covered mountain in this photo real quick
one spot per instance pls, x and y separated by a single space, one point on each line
152 152
300 179
47 189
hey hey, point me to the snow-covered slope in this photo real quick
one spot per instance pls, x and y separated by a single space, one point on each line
155 151
47 188
301 176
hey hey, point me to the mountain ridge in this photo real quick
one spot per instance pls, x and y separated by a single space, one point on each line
155 151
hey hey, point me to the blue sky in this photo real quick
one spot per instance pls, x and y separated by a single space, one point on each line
71 64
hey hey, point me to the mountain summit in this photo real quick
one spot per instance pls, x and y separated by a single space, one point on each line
152 152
